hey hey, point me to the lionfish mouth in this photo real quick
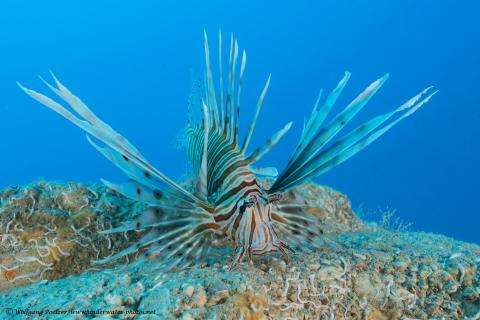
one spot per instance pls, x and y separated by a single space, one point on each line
265 249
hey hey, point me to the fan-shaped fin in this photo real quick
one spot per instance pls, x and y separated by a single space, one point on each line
310 159
119 149
170 241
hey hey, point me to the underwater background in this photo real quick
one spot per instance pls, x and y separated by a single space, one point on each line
132 62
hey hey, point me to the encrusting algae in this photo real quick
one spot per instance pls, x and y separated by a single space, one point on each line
374 273
48 231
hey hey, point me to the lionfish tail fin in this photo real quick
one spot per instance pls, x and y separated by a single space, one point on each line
312 157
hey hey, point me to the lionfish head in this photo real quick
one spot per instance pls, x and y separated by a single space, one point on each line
256 232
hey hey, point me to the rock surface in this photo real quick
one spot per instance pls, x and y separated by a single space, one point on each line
48 238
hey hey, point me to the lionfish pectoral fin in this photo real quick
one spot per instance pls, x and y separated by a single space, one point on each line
302 231
117 148
286 246
137 191
182 231
176 242
240 254
285 255
312 159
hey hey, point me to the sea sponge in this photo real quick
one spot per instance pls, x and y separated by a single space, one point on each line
49 230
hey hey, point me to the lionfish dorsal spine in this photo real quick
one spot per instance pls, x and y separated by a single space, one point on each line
314 157
251 126
202 182
226 160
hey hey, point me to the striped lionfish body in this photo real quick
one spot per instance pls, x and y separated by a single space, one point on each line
243 209
226 198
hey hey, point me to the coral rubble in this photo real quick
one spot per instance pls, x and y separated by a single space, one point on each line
48 241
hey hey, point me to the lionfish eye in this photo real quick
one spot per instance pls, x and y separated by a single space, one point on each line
252 200
249 203
272 198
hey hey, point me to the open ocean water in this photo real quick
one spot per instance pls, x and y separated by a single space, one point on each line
132 62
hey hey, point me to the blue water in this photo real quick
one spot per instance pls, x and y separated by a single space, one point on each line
132 63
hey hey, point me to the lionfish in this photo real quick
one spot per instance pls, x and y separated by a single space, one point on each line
226 199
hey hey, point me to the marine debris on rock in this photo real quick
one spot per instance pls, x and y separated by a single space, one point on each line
48 238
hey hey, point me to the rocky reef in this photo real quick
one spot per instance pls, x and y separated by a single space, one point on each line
49 238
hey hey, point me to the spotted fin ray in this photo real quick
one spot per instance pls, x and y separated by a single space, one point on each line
118 148
183 237
186 216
